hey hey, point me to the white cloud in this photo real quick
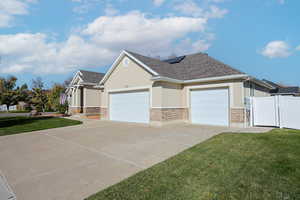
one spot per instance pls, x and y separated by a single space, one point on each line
216 12
5 20
187 46
11 8
190 8
33 53
276 49
158 2
137 30
84 6
216 1
298 48
281 1
110 10
100 42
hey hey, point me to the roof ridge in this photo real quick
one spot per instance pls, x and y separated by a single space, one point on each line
90 71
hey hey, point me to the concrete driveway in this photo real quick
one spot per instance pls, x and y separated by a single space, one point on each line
75 162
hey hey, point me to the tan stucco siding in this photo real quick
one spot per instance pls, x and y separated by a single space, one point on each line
125 77
171 95
91 97
157 95
254 90
236 95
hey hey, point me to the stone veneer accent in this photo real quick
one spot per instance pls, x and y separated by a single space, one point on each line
103 113
237 115
74 110
168 114
91 110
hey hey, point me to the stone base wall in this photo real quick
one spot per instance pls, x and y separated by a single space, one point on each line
74 110
91 111
237 115
103 113
168 114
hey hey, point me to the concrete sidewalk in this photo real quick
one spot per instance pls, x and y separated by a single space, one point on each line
75 162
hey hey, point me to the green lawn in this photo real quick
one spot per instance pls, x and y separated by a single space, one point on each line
15 125
15 111
228 166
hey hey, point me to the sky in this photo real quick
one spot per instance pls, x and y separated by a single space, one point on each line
53 39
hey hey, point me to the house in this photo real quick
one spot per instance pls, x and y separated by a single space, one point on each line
283 90
194 88
82 95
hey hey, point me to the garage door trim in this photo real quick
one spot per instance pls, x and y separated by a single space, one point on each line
191 89
130 90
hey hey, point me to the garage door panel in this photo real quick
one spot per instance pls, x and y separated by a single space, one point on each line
210 107
130 107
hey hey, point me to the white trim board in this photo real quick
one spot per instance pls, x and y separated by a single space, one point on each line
129 89
158 107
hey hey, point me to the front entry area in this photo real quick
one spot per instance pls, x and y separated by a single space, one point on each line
130 106
210 107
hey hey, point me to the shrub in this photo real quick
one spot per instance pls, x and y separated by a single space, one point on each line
63 108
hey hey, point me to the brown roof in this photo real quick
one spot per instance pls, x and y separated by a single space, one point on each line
194 66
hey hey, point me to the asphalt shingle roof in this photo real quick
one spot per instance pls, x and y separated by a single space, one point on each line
91 77
194 66
288 90
283 89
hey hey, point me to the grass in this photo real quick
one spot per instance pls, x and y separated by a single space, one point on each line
15 125
228 166
15 111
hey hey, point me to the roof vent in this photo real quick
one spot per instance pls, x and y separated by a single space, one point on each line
175 60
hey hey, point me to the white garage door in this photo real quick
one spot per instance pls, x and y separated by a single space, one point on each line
210 107
129 107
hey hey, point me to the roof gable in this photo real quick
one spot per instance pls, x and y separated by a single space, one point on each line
119 59
86 77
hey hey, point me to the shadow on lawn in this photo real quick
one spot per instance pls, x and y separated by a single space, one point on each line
12 121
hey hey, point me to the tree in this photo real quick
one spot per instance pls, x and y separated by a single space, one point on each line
23 93
54 96
37 83
8 95
67 82
39 97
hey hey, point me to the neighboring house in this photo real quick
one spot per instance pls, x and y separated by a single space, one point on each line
283 90
11 108
82 96
194 88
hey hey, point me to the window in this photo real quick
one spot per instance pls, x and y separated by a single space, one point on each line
126 62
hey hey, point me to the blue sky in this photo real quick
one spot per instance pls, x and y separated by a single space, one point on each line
53 39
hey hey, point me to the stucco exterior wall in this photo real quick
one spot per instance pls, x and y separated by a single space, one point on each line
157 95
128 77
253 90
171 95
166 95
91 97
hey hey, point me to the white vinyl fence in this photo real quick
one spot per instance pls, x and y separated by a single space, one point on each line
278 111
